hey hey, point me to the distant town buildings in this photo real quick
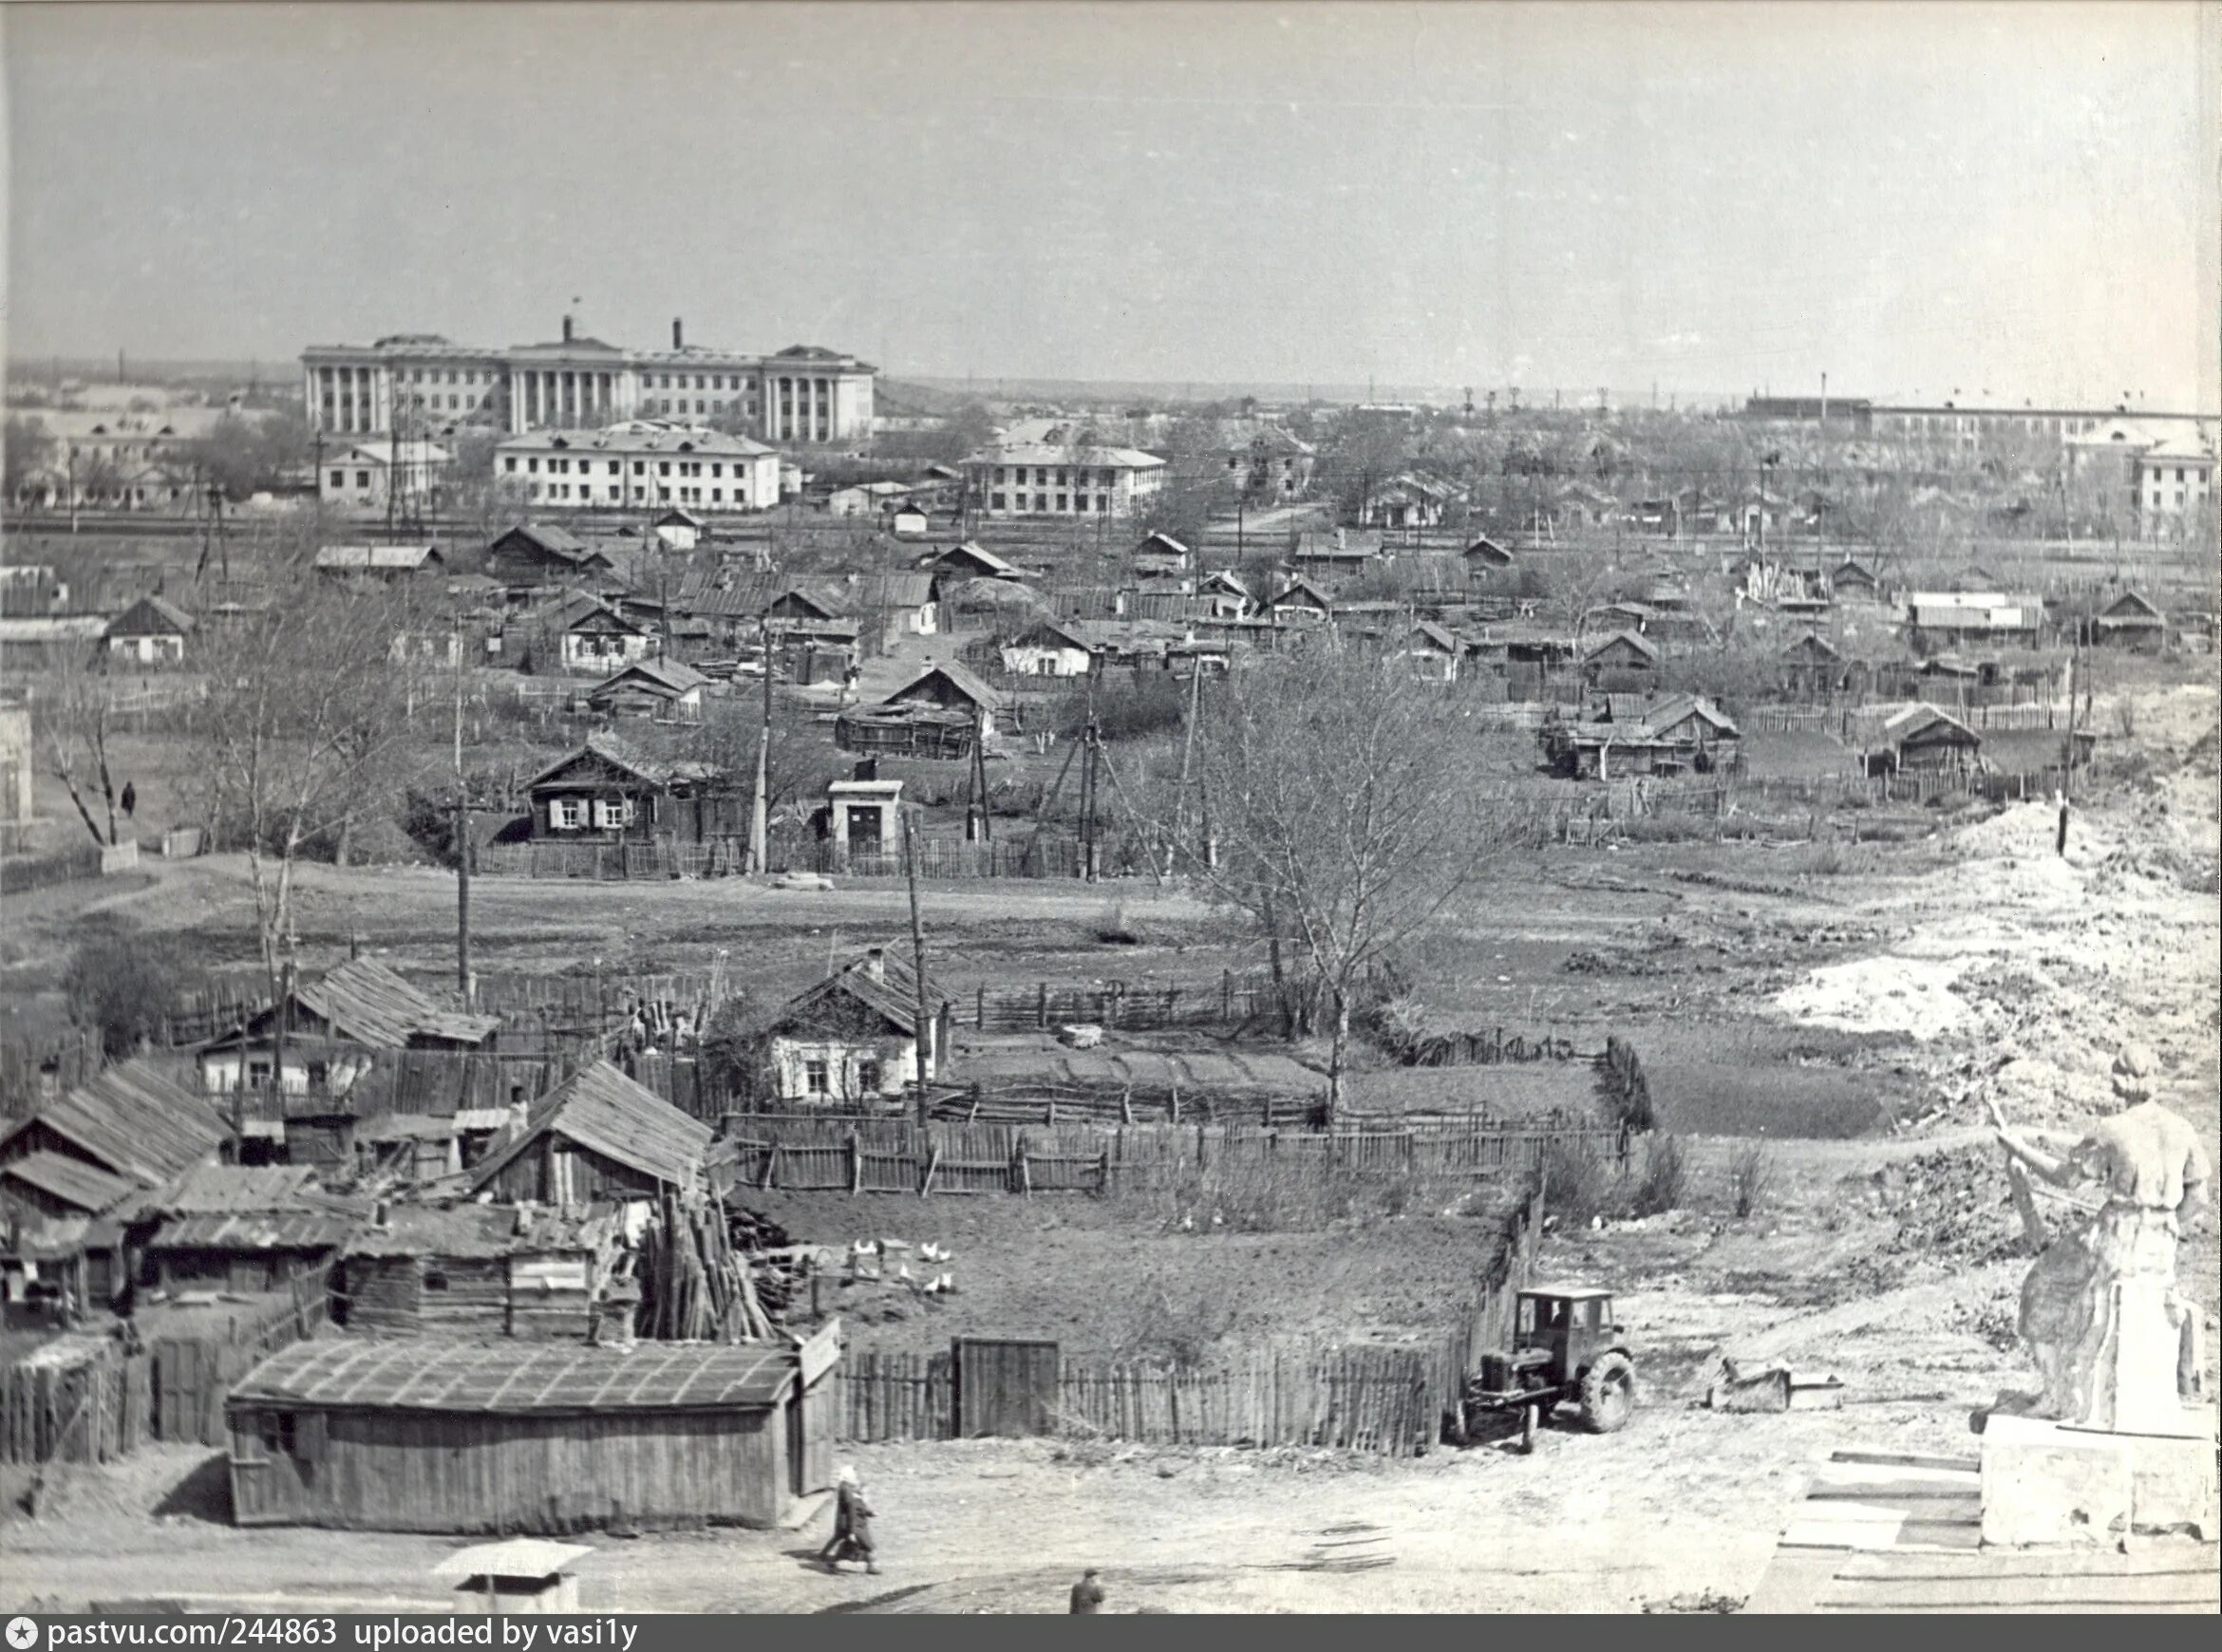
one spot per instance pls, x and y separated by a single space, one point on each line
1970 431
363 476
802 394
638 462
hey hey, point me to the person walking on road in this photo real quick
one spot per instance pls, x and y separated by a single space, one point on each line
1087 1594
851 1532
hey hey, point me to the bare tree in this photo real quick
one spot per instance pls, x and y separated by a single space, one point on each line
309 731
27 451
1347 808
74 725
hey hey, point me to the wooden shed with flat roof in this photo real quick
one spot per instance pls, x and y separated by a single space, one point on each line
432 1434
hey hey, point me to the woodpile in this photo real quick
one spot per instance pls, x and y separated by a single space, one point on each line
694 1286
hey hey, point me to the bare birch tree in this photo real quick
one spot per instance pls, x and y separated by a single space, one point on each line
74 724
1349 807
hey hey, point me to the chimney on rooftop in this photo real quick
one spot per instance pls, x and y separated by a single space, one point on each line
678 337
567 329
876 963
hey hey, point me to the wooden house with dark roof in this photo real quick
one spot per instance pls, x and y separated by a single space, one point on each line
437 1435
131 1121
950 686
542 554
853 1037
2131 620
609 791
1619 657
1484 555
243 1228
529 1272
1812 667
971 561
1300 602
660 690
1923 738
152 632
332 1027
597 1135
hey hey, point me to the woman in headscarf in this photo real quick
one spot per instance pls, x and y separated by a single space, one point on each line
851 1532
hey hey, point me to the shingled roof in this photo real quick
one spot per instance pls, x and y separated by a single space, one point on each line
368 1004
519 1378
600 1109
71 1181
131 1120
880 982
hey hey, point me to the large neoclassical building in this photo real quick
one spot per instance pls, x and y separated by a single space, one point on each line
803 394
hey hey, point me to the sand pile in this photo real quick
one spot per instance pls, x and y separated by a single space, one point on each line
1954 1206
1886 994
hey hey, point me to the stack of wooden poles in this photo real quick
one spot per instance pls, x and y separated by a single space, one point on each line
695 1288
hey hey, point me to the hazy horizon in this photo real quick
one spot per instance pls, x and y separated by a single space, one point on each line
1983 202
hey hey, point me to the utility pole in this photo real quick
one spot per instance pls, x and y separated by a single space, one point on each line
758 818
1187 757
463 842
1088 761
2067 773
917 961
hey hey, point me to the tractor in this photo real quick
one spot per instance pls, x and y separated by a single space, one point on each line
1565 1349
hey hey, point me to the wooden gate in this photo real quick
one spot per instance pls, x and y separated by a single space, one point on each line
1009 1389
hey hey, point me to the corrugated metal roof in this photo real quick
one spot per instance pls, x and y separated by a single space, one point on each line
516 1378
600 1109
132 1120
70 1180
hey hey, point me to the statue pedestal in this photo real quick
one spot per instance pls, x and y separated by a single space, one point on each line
2056 1484
2135 1386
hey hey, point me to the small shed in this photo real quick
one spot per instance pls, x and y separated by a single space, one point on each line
432 1434
971 561
1924 738
950 687
526 1271
1300 602
1484 555
244 1228
679 528
908 523
596 1136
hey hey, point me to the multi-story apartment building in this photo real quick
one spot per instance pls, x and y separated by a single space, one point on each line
803 394
1062 478
637 464
2029 432
2175 487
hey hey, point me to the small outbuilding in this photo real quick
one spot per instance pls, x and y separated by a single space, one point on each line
597 1135
432 1434
152 632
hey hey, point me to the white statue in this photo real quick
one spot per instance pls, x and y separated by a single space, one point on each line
2102 1297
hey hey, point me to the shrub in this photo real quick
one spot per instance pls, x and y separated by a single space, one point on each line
1577 1183
1622 1090
1666 1178
119 985
1751 1178
1114 928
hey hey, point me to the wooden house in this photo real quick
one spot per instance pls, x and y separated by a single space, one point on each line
853 1037
679 528
432 1434
1333 554
1227 592
608 792
527 1271
540 553
1681 734
331 1028
1483 556
1853 581
1621 655
2130 621
596 1137
131 1121
660 690
1811 668
243 1228
971 561
1049 648
1407 502
152 632
1432 653
950 687
1300 603
908 520
1922 737
592 637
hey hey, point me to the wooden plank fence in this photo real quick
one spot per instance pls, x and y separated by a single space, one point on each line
895 1156
173 1388
1384 1399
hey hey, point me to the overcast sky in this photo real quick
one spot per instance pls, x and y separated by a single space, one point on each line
1911 199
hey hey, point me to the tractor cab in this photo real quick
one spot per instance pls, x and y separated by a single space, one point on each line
1558 1332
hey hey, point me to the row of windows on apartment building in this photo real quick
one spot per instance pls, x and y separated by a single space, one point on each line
585 496
1078 502
617 467
1016 475
2179 500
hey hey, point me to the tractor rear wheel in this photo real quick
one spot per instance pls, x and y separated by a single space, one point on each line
1608 1393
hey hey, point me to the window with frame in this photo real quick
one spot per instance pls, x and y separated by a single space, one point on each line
275 1429
339 478
814 1077
566 813
868 1077
362 478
